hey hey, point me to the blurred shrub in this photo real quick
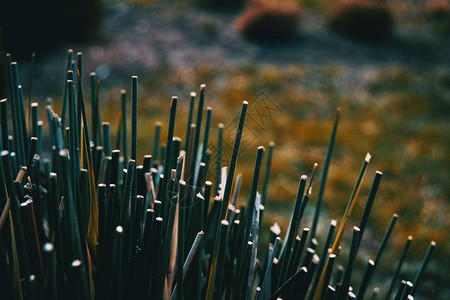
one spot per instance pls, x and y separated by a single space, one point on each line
439 9
268 20
362 19
34 26
438 12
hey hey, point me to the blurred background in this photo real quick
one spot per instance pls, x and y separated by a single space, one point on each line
385 63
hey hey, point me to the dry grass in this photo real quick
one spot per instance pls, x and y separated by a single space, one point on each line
362 19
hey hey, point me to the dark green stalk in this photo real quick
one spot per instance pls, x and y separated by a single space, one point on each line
350 264
292 231
4 123
252 199
189 120
50 287
366 279
218 158
13 103
385 239
255 237
79 76
34 119
192 253
324 176
265 185
237 189
123 99
233 161
124 211
297 252
323 258
329 293
266 289
181 239
116 274
398 268
328 272
73 234
198 126
16 215
65 97
23 119
299 276
80 67
207 196
206 131
166 179
106 138
156 141
407 290
94 106
134 115
422 267
240 285
369 203
19 136
400 290
73 140
30 90
217 293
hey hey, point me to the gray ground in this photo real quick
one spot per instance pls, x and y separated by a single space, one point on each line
137 40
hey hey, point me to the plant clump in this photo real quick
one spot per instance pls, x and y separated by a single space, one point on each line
363 19
268 20
84 218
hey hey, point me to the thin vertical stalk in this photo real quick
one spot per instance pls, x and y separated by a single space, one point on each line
106 138
323 258
156 143
398 267
218 158
366 279
265 185
123 99
292 231
189 120
65 97
198 126
422 268
4 124
324 176
351 262
233 161
369 203
166 179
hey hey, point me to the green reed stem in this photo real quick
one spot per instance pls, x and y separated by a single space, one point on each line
4 123
369 203
65 91
106 128
233 161
166 179
422 268
350 263
398 268
324 176
123 100
218 158
265 186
